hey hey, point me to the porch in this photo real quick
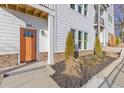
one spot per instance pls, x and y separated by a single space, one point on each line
24 13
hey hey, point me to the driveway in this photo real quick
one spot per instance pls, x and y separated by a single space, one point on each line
36 75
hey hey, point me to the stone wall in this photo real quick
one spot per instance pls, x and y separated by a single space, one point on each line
86 52
59 57
12 60
43 56
8 60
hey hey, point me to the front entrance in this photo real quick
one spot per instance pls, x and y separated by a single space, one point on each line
27 45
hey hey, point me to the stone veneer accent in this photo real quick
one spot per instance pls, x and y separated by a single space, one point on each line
8 60
43 56
59 57
86 52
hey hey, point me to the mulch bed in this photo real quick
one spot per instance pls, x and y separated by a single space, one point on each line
66 81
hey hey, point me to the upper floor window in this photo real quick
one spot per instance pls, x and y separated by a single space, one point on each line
109 18
79 8
72 6
85 9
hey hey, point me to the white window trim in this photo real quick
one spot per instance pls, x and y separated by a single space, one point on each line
76 38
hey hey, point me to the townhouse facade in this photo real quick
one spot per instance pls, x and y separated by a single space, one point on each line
30 33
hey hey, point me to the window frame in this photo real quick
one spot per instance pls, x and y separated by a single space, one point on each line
82 11
82 39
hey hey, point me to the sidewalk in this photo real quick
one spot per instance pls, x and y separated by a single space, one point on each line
33 76
110 77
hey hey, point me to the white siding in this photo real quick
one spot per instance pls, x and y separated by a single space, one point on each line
43 41
109 27
66 17
10 23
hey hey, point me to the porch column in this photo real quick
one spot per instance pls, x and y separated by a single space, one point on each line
50 39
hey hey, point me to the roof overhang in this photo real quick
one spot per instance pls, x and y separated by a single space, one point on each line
34 10
40 7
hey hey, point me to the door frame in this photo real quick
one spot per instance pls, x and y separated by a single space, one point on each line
20 43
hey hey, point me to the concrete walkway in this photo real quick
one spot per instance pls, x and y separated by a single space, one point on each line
110 77
36 75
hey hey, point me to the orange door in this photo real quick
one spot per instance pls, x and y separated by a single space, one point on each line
28 45
28 51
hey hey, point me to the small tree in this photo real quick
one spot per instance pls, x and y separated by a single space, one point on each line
98 49
72 67
112 41
118 40
69 50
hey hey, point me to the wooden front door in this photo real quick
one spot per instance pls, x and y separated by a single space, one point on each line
27 45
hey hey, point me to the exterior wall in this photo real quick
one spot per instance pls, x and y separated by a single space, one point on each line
10 23
43 41
67 18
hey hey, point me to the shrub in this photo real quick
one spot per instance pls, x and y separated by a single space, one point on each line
98 49
112 41
72 67
118 40
69 50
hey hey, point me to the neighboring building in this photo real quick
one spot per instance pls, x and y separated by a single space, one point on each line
31 32
104 24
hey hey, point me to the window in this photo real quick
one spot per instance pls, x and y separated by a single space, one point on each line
28 34
85 9
79 8
73 32
72 6
74 35
85 40
109 18
80 40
